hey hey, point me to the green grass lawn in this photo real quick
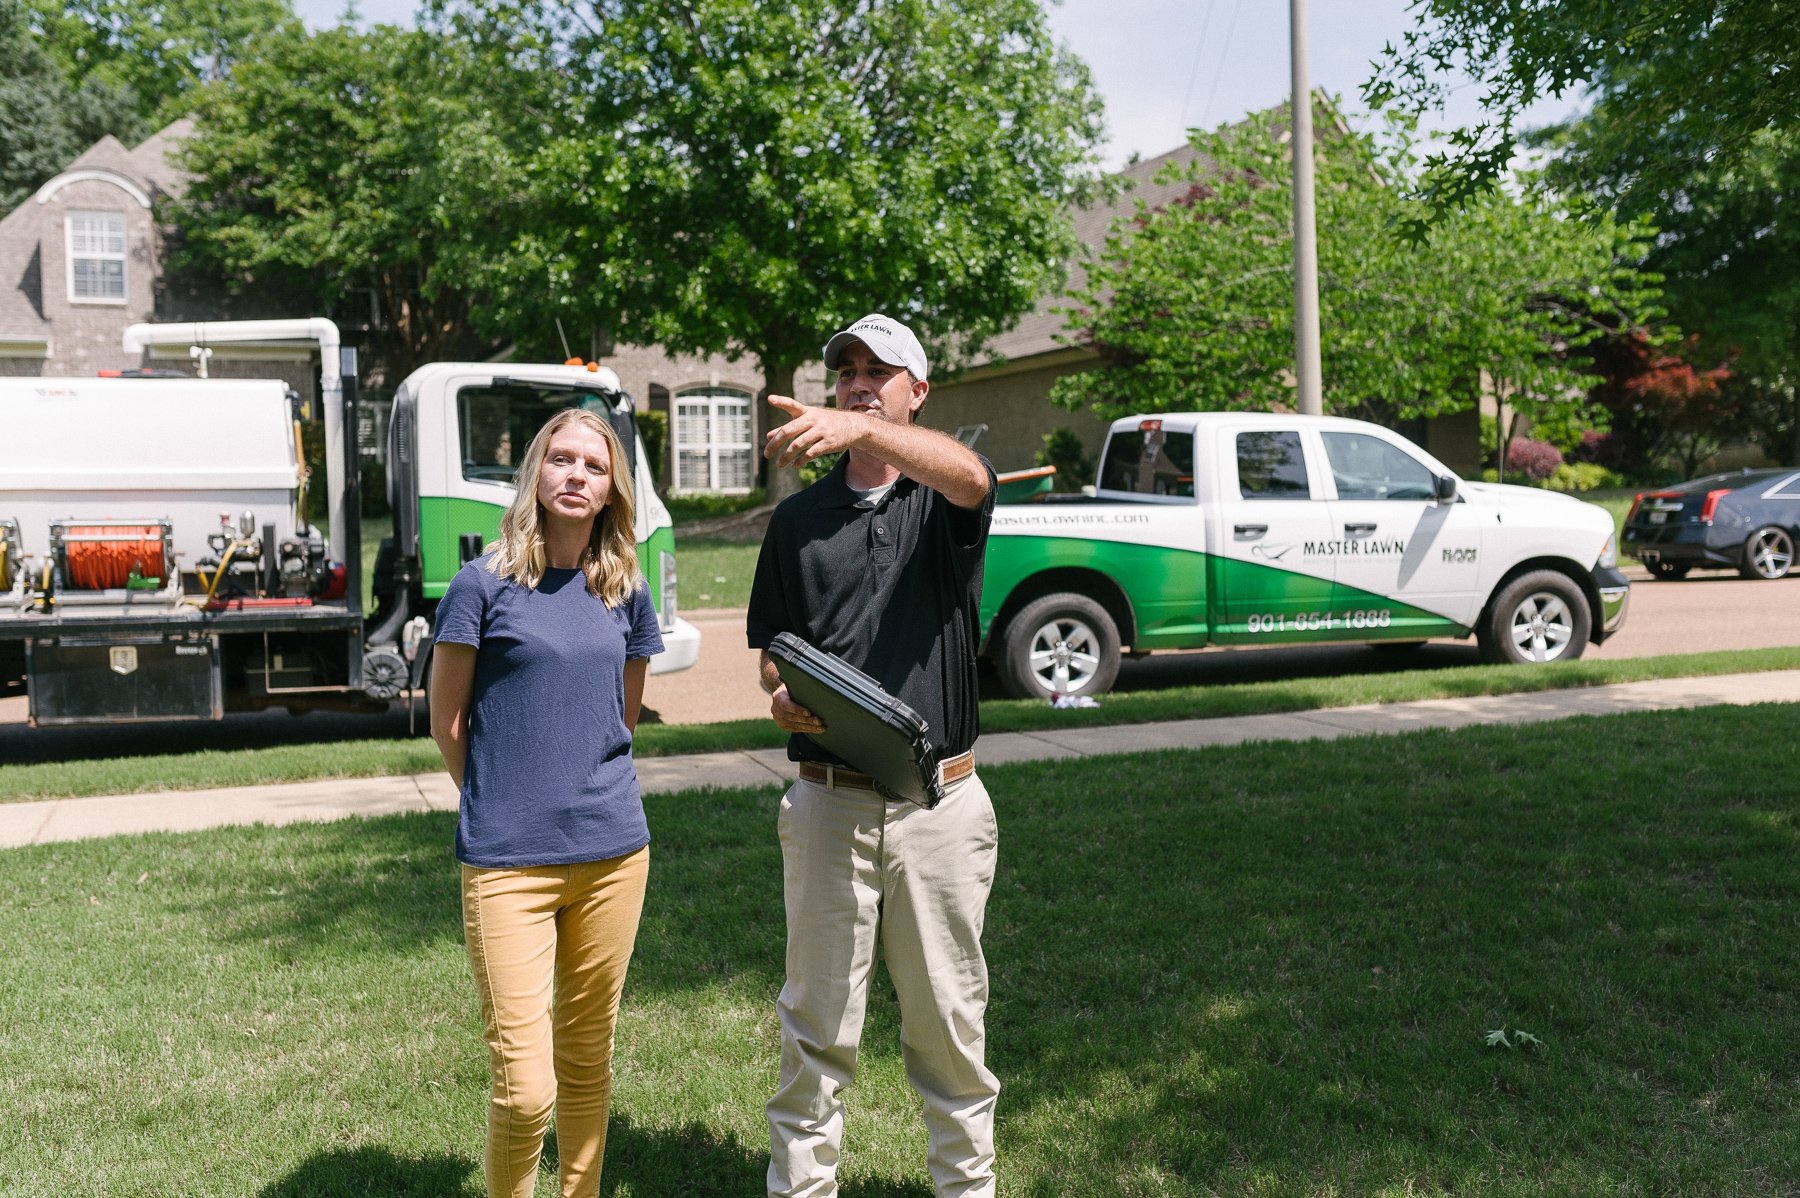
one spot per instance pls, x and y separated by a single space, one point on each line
371 758
714 572
1265 970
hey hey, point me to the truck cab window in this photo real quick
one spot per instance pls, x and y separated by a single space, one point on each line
1149 462
1367 467
1271 465
497 422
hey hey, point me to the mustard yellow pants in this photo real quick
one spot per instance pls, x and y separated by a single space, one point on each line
549 946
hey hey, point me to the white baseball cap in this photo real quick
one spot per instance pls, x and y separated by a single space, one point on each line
888 339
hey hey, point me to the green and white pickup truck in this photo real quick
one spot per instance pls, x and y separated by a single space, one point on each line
1262 529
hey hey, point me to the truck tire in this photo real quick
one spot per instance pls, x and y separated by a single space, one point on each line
1060 644
1539 616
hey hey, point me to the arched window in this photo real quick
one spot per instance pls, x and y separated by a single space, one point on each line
713 446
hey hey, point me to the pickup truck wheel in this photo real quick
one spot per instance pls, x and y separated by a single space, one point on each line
1537 617
1768 554
1060 644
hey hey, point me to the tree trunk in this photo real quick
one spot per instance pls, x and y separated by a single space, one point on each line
778 379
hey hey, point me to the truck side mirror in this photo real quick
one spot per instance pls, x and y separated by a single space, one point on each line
1446 488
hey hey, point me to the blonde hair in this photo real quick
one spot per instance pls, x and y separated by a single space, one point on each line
610 560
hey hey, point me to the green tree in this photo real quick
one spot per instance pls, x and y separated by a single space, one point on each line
1726 245
750 177
155 50
45 122
355 168
1702 70
1191 306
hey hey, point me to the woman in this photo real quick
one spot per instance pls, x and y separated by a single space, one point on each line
542 648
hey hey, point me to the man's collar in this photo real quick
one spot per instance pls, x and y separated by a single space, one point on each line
835 489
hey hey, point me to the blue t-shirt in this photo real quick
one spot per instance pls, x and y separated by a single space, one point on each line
549 778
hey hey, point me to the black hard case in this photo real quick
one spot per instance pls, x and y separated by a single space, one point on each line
864 725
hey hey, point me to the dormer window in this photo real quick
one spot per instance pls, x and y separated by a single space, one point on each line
96 257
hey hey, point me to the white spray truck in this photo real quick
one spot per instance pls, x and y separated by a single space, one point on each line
156 562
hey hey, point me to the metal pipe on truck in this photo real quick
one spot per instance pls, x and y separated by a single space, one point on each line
314 329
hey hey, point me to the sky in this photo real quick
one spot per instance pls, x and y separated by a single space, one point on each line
1164 66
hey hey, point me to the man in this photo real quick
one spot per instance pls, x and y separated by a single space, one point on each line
879 562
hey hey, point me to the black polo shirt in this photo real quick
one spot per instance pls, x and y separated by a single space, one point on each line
893 589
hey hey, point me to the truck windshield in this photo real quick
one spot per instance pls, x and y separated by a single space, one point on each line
1149 462
497 422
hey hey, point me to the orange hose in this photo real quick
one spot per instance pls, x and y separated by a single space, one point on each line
107 565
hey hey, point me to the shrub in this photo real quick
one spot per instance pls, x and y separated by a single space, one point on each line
1536 460
702 505
1573 477
653 427
1062 449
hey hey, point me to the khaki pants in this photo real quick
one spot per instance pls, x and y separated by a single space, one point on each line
549 946
860 871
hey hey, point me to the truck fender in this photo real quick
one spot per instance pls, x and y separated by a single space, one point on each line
1583 579
1092 583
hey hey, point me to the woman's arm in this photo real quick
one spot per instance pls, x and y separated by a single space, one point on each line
452 690
636 670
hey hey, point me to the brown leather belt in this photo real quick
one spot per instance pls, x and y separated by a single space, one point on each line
951 769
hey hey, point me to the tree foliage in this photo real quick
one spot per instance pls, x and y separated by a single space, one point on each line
358 168
1719 71
1190 306
1671 406
156 51
1727 245
45 121
750 176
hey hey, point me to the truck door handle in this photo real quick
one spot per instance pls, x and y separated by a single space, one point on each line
1354 529
1250 530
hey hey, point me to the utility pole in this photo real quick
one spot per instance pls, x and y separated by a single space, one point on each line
1306 247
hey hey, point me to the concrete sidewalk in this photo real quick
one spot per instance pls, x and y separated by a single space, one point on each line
186 811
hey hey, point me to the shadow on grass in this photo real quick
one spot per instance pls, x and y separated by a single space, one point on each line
378 1173
21 745
696 1161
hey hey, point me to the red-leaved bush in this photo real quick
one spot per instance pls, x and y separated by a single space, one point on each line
1536 460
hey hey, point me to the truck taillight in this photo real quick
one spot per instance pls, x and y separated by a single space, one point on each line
1635 501
1149 426
1711 505
666 564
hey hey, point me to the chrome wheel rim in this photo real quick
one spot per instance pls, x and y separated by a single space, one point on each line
1541 627
1771 553
1064 656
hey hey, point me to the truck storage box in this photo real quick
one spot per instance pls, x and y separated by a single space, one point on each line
75 680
